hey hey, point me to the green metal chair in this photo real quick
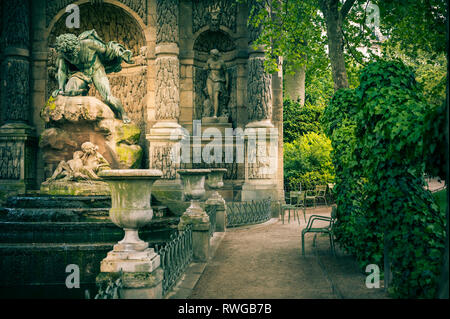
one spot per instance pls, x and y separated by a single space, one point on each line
310 195
327 229
299 197
290 206
321 193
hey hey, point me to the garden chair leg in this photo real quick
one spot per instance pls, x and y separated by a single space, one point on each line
303 244
314 240
304 213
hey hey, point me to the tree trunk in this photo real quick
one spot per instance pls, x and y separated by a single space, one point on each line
295 85
333 18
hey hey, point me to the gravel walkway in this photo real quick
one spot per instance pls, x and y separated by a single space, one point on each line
265 261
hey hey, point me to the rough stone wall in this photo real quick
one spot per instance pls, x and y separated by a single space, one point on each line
167 21
15 68
52 7
10 155
202 9
111 24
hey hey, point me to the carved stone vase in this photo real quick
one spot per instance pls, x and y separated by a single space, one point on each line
215 182
131 210
194 189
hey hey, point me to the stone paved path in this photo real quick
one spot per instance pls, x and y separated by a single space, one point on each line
265 261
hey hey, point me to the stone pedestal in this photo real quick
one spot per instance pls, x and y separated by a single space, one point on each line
194 189
18 144
199 220
261 159
136 285
215 182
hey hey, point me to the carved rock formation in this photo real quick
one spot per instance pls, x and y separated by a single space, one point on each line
72 121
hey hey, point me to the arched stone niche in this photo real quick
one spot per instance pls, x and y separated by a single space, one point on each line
203 44
112 23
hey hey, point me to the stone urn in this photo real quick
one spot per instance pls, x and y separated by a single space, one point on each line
194 190
131 210
215 182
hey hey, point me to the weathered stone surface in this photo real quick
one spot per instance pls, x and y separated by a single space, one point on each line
75 188
78 119
167 21
167 88
259 91
213 13
53 7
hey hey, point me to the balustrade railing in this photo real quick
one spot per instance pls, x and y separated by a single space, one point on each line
246 213
176 255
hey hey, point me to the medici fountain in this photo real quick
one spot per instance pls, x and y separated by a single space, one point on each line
116 133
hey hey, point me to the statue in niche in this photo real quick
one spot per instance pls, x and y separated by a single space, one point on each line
216 86
85 165
87 59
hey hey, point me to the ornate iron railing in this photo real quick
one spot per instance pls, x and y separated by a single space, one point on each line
211 211
176 255
247 213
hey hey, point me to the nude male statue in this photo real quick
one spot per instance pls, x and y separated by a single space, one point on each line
217 80
87 59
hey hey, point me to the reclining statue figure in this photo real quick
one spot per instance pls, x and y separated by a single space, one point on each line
87 59
85 165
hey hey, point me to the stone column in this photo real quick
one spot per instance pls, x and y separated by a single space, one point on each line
295 85
17 137
167 131
261 137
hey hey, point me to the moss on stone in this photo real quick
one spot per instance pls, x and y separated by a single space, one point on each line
129 155
128 133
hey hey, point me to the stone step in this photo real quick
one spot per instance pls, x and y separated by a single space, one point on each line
49 201
80 232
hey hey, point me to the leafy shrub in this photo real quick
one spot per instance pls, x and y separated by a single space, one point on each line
307 161
391 129
355 232
380 151
299 120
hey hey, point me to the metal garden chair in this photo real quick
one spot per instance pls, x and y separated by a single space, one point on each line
290 206
321 192
327 229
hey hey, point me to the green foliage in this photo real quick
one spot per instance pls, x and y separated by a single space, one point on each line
414 24
431 74
299 120
441 200
307 161
356 232
319 87
391 129
378 134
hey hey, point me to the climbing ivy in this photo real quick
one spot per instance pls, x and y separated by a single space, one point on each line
391 130
380 153
356 230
